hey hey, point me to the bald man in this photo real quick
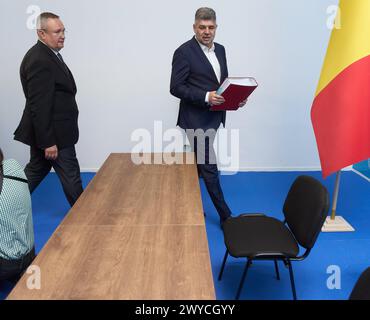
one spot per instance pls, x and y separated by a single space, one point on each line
49 122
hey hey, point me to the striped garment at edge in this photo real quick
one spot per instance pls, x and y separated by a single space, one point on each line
16 226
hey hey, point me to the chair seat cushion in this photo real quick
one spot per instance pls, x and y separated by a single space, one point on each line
256 236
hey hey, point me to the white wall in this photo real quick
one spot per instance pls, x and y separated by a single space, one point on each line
120 53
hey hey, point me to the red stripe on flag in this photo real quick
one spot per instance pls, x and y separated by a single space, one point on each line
341 118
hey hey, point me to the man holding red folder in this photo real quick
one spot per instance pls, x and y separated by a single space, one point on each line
198 68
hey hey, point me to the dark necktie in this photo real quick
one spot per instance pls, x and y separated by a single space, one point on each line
62 61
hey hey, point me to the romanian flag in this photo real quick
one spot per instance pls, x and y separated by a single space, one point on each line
341 110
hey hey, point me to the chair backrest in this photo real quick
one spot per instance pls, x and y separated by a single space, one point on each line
361 290
305 208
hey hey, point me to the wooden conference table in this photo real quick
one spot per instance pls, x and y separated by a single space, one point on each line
137 232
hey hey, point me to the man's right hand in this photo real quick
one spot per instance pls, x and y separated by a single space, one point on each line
214 99
51 153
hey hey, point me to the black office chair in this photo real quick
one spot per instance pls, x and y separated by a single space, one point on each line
361 290
259 237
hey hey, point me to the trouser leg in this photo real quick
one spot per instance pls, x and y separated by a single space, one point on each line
67 168
12 270
207 167
37 168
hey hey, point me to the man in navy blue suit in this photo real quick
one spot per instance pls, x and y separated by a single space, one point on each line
198 69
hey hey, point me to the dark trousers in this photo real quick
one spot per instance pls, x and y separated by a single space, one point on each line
202 145
66 167
13 269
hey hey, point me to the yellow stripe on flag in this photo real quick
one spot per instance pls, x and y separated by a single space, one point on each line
348 44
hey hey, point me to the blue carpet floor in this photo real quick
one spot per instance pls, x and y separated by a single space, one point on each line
256 192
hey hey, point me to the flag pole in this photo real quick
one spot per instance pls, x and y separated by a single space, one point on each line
335 196
336 223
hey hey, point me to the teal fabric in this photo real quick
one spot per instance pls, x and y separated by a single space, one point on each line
16 225
363 167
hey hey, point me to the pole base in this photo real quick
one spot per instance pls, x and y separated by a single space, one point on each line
336 225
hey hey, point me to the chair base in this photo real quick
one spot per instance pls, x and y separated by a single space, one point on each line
287 263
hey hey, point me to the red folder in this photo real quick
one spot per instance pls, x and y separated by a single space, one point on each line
235 90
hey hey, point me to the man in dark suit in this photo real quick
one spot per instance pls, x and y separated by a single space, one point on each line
49 122
198 68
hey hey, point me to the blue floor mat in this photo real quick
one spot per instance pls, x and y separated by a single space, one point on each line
256 192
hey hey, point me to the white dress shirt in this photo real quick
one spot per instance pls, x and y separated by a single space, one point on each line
212 58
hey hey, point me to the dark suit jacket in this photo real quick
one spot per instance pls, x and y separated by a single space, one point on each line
51 113
192 77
